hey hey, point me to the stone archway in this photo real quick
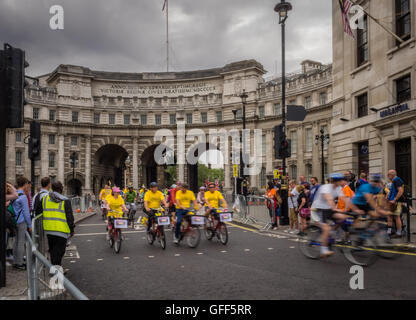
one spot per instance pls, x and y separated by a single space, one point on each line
109 164
152 171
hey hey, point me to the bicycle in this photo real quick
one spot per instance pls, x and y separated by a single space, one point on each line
190 228
215 225
115 239
157 230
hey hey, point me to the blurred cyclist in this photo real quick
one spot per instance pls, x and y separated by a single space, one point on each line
115 206
130 197
324 209
104 193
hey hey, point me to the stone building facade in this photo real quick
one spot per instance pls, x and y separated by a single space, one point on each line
107 118
374 92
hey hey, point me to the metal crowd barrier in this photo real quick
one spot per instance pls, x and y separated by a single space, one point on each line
83 204
46 282
258 212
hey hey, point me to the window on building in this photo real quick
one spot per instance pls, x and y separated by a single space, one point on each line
308 102
112 118
309 140
294 172
205 99
158 119
263 144
362 43
277 109
172 118
403 19
74 141
18 158
52 115
35 113
403 89
18 136
51 139
204 117
143 119
323 98
189 118
96 118
51 160
219 116
74 116
126 119
308 168
239 114
292 102
261 111
363 157
294 141
362 105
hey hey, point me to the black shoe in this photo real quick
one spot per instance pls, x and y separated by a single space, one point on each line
19 267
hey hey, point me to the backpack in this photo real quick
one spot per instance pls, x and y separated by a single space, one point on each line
37 203
11 215
407 193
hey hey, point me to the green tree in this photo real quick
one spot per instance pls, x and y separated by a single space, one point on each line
171 175
205 173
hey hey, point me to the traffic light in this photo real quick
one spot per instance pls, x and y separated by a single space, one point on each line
34 141
14 83
282 146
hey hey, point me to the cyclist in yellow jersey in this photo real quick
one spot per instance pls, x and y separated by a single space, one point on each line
213 199
183 198
152 201
115 206
104 193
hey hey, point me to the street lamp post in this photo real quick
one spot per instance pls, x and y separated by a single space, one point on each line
73 160
243 97
323 138
127 164
282 9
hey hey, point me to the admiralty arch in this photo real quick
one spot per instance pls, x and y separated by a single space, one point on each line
109 120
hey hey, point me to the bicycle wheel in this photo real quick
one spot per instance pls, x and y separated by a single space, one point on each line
362 251
193 237
208 231
310 245
223 233
162 238
117 241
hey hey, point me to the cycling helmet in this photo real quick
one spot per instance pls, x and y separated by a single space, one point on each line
376 177
153 184
173 186
336 177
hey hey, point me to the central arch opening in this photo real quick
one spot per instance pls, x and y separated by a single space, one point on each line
110 165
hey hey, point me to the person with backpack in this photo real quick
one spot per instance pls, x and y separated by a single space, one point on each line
21 210
37 199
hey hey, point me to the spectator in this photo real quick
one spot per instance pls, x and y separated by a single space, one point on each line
58 222
37 199
314 188
200 199
362 180
11 194
28 194
23 222
302 208
395 193
293 203
304 183
343 202
273 202
350 180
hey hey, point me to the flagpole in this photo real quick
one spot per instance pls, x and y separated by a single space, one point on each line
167 35
378 22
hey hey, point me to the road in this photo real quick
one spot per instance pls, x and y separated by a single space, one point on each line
251 266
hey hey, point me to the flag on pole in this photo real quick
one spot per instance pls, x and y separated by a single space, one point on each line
345 6
164 5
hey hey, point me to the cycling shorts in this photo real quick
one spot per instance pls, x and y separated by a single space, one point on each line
322 215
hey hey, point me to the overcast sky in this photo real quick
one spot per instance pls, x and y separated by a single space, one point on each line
130 35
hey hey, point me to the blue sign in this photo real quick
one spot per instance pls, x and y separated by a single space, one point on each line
394 110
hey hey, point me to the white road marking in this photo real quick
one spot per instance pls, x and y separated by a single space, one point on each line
177 255
89 240
292 247
151 257
223 251
103 233
200 253
269 248
100 259
91 225
126 258
246 250
73 261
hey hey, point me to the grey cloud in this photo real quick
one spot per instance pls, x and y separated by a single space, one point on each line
129 35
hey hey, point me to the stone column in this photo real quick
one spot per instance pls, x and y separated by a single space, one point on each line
88 188
180 148
300 151
44 162
61 160
316 153
135 172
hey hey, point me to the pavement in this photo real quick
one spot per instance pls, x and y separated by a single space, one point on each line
253 265
16 280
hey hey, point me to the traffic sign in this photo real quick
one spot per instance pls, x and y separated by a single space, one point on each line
235 170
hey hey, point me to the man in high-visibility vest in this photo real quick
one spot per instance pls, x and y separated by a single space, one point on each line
58 222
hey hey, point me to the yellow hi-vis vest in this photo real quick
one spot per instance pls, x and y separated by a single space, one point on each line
54 217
